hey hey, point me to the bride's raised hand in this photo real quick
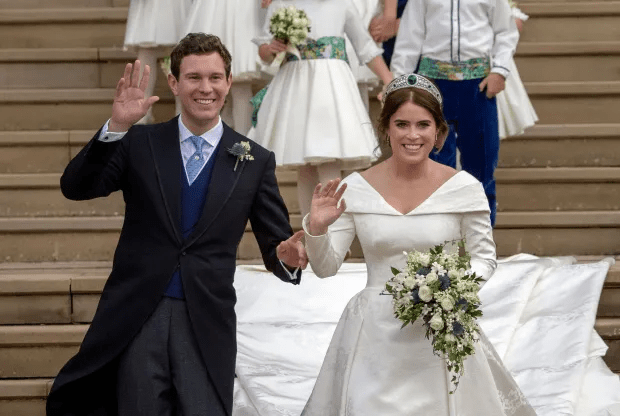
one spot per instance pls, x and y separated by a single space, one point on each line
324 210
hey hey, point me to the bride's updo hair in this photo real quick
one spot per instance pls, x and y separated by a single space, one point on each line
419 97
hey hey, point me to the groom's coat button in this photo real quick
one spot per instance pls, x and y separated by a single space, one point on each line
184 253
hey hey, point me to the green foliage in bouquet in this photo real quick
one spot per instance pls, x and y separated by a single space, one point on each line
290 25
440 288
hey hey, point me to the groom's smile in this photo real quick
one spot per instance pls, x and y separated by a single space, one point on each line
202 88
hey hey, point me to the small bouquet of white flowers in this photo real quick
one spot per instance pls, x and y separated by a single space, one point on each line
440 288
290 25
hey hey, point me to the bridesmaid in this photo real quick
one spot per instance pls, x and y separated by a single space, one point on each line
153 27
235 22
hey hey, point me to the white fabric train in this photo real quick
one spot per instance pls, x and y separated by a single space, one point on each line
539 315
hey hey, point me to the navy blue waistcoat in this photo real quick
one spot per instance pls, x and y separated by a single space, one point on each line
193 199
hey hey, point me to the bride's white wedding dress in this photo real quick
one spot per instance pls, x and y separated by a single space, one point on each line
373 367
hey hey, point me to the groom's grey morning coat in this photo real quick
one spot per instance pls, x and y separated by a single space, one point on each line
146 166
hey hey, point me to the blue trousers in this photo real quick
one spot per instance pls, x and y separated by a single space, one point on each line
474 130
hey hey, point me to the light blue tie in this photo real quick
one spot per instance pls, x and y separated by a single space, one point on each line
197 160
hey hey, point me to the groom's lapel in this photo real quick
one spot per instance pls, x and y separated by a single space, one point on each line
223 181
164 143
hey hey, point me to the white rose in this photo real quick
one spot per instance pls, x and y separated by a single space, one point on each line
409 282
447 303
450 338
436 322
431 277
425 293
400 277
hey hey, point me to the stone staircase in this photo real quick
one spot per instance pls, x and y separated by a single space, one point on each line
558 184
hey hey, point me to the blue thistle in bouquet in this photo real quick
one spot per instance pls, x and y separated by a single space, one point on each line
439 287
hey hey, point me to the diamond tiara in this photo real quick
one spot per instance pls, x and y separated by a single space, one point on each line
413 81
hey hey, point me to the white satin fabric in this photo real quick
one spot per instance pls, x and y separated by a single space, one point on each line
152 23
312 112
235 22
539 315
515 112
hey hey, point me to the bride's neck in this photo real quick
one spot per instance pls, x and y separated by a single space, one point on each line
408 171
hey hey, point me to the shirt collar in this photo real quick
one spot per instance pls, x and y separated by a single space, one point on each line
212 136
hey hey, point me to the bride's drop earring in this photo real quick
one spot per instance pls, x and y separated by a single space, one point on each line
387 140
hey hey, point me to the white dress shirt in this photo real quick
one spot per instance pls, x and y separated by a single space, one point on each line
212 137
455 31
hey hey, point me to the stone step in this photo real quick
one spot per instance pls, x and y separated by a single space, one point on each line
30 351
39 195
25 239
518 189
64 109
24 397
575 102
67 68
105 26
70 296
588 20
568 61
60 4
577 145
101 67
68 27
563 145
558 189
86 109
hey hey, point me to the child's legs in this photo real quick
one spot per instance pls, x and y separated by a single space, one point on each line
148 56
307 179
309 176
241 107
450 91
479 139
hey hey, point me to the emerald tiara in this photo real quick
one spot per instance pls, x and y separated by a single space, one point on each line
413 81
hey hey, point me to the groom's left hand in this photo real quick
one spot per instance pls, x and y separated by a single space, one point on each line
292 251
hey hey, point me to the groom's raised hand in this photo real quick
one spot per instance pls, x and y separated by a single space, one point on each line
130 105
292 251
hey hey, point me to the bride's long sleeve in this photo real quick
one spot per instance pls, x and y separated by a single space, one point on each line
326 252
478 233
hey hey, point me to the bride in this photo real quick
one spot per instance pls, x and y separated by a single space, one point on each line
372 366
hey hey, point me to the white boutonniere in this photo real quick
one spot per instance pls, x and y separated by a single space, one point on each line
241 150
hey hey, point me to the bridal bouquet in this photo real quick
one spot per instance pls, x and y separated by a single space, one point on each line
290 25
440 288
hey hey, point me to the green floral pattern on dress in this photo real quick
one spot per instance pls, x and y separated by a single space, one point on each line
455 71
327 47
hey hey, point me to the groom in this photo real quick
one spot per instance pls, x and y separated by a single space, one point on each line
162 341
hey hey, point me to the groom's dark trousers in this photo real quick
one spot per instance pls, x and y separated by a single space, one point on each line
161 373
154 245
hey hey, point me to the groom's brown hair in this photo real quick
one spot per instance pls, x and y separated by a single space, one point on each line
198 44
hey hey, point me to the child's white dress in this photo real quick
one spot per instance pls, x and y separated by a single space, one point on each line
515 112
153 23
312 112
367 9
235 22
